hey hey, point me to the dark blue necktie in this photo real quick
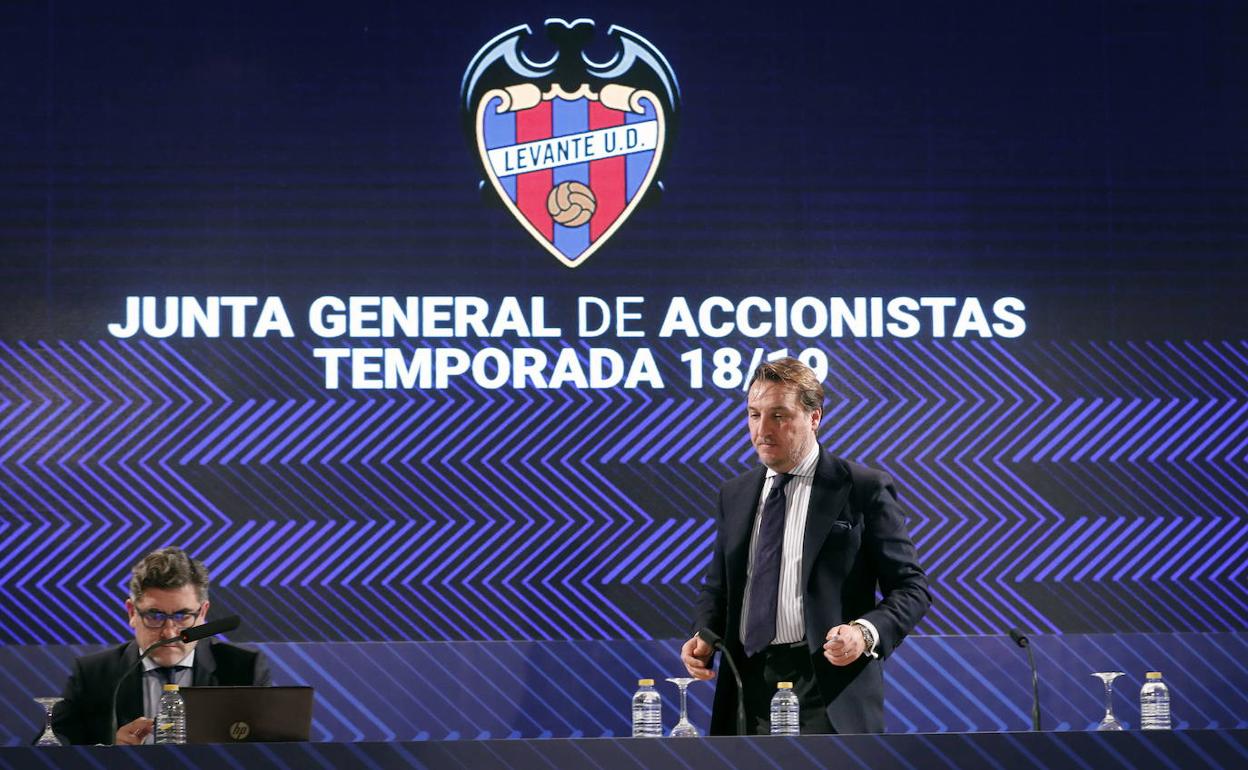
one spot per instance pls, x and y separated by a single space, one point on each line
167 673
760 621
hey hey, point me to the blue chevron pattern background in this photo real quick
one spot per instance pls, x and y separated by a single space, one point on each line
1085 481
1054 486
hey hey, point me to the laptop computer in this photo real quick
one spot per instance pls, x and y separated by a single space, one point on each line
247 714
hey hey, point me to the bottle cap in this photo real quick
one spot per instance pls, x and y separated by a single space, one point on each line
646 682
1153 675
170 688
784 685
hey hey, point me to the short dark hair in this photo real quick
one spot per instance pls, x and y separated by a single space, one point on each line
168 568
790 371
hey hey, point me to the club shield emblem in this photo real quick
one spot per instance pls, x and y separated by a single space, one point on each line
569 146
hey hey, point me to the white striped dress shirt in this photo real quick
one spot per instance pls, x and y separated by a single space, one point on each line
790 622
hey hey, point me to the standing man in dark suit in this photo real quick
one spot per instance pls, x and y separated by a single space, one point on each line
802 545
168 593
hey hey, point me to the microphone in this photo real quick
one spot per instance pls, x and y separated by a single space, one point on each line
713 639
212 628
186 636
1024 642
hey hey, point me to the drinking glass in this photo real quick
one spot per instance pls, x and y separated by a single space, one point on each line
48 738
1110 722
684 728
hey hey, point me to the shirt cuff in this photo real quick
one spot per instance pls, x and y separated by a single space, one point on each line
875 635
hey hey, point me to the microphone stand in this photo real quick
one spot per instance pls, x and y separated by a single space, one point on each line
713 639
1025 643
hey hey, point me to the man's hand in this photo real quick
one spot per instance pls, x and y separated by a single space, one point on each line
845 645
134 733
696 655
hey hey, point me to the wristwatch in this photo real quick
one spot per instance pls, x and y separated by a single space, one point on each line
867 637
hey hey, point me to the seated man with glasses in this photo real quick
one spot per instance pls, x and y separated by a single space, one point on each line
168 593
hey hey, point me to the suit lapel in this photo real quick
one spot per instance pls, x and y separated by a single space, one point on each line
130 696
204 673
738 524
829 492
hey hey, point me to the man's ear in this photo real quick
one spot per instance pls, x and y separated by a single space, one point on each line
132 613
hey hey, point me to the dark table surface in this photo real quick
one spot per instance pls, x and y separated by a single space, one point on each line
1183 749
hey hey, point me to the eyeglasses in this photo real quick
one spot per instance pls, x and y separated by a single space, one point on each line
181 618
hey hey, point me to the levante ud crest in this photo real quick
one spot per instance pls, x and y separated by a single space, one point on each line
570 145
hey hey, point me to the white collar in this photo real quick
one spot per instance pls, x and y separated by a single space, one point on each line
804 468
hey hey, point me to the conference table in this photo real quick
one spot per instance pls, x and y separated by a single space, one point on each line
1185 749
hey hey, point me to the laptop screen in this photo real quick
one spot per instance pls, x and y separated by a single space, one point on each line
247 714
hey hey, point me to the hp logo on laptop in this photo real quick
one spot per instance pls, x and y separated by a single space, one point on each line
240 730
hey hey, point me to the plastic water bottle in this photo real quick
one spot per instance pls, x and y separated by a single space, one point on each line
647 711
171 718
1154 703
785 710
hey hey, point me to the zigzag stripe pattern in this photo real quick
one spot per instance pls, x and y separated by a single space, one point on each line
1053 486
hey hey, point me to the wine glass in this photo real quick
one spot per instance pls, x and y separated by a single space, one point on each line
1110 722
684 728
48 738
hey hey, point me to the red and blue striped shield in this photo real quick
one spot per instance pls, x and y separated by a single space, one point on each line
570 166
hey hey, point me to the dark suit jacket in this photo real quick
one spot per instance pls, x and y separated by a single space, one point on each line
855 540
84 716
